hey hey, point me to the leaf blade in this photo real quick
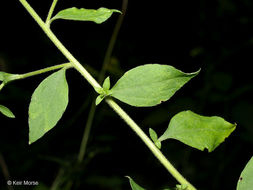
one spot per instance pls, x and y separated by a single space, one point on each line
48 103
98 16
99 99
150 84
6 111
198 131
134 186
154 138
107 84
245 181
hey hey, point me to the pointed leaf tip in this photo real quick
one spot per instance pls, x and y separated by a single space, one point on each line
6 111
198 131
150 84
106 84
154 138
134 186
99 99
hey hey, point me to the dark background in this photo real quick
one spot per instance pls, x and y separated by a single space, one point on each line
216 36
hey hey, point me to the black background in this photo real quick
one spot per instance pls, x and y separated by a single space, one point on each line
216 36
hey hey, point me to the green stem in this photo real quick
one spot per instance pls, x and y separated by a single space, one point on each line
60 46
86 133
111 103
55 67
101 77
112 42
159 155
5 171
58 180
51 10
33 73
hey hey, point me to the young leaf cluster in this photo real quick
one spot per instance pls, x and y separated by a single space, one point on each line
103 92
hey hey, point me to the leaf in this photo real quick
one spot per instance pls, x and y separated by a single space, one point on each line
6 111
99 99
150 84
181 187
134 185
98 16
48 103
245 181
154 138
198 131
99 90
106 84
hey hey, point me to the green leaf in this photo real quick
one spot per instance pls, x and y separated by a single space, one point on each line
6 111
106 84
181 187
150 84
134 185
98 16
245 181
99 90
198 131
99 99
154 138
48 103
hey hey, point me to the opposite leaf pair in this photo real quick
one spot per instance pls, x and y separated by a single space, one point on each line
103 92
146 85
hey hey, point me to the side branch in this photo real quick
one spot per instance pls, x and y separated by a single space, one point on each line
109 101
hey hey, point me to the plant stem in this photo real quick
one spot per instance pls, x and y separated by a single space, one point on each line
5 171
159 155
101 77
112 42
26 75
86 133
51 10
60 46
58 180
110 102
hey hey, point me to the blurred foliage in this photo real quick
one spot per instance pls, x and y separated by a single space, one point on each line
214 35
